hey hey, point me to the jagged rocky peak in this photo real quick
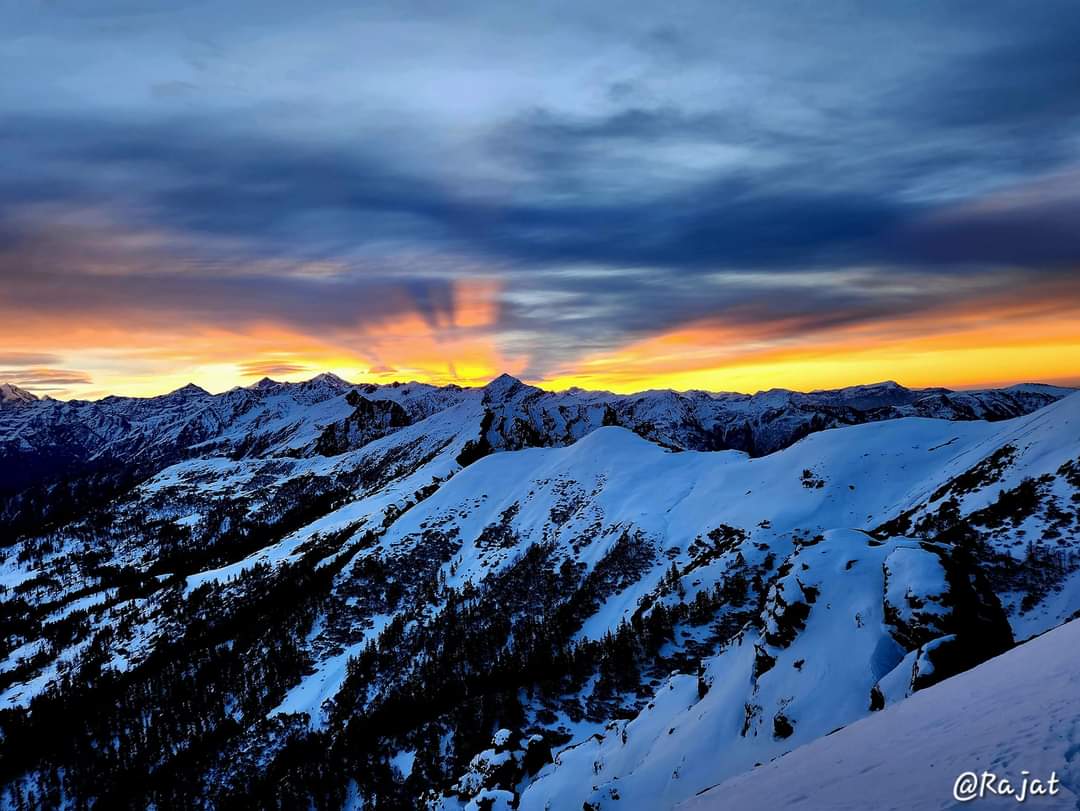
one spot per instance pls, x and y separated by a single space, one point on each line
873 395
190 390
321 387
10 393
369 420
265 384
503 387
330 379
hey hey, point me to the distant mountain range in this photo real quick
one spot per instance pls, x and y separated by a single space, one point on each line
331 595
43 440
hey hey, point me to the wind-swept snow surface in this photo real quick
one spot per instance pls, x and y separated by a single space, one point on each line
1015 716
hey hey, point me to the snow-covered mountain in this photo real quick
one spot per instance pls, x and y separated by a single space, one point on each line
399 596
10 394
106 445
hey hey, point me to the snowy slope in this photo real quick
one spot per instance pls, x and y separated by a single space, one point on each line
613 479
585 497
41 439
1013 713
696 604
766 694
869 473
11 394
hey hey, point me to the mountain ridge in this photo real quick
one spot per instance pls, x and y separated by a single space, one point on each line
414 596
48 443
335 379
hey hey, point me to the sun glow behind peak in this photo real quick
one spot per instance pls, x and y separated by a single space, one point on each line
962 350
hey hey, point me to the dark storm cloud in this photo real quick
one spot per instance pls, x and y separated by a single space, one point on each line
1039 233
324 205
722 224
96 270
311 204
205 298
603 163
183 177
1028 76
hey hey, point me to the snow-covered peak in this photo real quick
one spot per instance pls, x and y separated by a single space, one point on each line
265 384
1040 388
190 390
503 387
10 393
883 385
886 394
331 379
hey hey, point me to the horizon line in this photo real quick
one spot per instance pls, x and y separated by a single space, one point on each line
1063 383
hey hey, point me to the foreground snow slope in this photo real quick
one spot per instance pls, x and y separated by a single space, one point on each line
429 567
767 692
681 741
1013 713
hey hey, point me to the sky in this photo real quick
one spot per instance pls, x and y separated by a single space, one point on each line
618 195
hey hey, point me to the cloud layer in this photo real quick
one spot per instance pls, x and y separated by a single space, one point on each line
431 189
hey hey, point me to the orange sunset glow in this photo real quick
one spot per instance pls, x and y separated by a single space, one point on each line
962 349
957 349
575 212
